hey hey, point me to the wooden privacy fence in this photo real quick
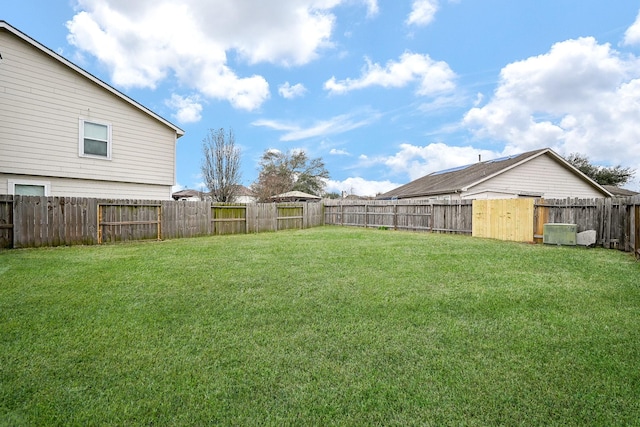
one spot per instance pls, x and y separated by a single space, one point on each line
436 216
616 221
522 220
30 221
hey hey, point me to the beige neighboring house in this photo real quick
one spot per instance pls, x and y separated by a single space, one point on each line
620 192
540 173
64 132
245 195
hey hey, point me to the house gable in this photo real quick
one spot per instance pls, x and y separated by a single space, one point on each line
44 101
541 176
539 173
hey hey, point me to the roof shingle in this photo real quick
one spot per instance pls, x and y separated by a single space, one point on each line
455 179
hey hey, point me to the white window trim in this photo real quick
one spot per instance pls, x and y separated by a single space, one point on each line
81 152
13 182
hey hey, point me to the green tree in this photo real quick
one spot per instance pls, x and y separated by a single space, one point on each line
333 195
221 165
281 172
616 175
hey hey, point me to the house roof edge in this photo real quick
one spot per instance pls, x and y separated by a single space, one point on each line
5 25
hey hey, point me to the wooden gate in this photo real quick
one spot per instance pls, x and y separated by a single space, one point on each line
503 219
228 219
121 222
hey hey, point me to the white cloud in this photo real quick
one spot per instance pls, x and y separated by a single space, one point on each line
632 35
339 152
422 12
360 186
418 161
433 77
581 96
144 42
288 91
188 110
479 99
335 125
372 7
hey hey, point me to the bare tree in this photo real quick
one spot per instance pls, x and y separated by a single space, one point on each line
221 165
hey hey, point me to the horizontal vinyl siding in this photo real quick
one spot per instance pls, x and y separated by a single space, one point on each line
542 175
63 187
452 196
41 102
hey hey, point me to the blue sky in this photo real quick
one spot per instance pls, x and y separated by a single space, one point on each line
384 91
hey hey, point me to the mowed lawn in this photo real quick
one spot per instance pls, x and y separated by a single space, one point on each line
325 326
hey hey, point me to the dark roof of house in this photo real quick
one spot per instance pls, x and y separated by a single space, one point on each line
617 191
240 190
458 179
186 193
244 191
294 196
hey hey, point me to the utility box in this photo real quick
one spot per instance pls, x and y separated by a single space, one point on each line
560 234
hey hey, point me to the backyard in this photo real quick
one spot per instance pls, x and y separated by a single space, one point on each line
322 326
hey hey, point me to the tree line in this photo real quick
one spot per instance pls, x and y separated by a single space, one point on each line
603 175
280 172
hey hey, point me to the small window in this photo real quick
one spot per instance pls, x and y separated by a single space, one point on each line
95 139
29 188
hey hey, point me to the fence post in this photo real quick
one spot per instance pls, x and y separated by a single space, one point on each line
305 211
366 215
159 210
98 224
395 216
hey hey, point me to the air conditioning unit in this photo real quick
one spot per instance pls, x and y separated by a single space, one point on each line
560 234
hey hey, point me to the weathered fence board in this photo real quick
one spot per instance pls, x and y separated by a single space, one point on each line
635 227
6 221
52 221
128 221
439 216
290 217
610 218
262 217
184 219
31 221
614 220
228 219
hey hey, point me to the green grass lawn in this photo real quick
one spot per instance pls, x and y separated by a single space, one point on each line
325 326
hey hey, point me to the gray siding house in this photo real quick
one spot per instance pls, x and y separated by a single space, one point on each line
64 132
539 173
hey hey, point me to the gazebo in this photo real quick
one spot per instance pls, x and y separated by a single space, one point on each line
295 196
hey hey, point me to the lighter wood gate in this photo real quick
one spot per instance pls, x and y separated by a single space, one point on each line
503 219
